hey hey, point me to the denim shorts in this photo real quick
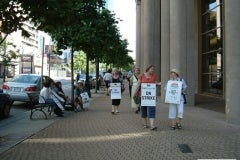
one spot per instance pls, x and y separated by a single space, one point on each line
148 111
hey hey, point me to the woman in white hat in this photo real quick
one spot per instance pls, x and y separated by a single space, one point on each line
176 110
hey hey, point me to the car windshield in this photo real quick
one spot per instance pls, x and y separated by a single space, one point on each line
26 79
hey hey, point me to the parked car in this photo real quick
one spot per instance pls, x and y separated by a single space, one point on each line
22 84
5 105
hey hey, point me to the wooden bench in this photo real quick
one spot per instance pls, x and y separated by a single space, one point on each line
36 106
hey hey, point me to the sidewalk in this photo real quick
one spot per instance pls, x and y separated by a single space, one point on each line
97 134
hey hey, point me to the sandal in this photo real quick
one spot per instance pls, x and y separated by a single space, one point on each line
145 126
179 126
173 127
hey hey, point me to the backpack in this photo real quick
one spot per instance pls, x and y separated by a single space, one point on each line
184 95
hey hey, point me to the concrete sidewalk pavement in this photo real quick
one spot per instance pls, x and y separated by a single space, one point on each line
97 134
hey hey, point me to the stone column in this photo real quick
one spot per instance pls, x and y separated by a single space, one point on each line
151 32
191 52
182 42
138 33
165 43
142 37
232 60
178 33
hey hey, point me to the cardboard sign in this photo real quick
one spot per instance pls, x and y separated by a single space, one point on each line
85 99
173 92
116 90
148 97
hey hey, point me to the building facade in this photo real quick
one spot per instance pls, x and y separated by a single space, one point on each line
198 37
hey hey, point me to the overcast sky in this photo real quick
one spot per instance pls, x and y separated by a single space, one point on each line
126 11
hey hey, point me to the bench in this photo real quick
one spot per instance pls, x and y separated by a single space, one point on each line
36 106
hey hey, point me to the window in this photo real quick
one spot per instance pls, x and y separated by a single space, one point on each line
212 47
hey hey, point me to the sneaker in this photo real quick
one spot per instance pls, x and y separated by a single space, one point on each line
112 112
153 128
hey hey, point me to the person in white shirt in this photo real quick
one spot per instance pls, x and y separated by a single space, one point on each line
176 110
107 78
52 98
129 75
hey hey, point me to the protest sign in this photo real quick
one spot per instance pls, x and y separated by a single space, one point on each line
148 97
85 99
116 90
173 92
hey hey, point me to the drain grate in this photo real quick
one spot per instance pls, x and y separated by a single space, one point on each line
185 148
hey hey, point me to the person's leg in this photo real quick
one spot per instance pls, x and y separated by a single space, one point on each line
130 90
138 109
117 105
172 115
180 108
144 116
107 86
152 116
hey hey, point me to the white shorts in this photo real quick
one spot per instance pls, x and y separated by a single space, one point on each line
176 110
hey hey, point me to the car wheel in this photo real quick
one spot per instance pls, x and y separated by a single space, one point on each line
6 110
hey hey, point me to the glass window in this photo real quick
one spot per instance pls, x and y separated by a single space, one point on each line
212 47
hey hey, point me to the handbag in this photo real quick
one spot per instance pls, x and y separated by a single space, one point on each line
184 97
137 95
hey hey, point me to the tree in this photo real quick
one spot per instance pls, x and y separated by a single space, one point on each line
12 17
67 22
80 24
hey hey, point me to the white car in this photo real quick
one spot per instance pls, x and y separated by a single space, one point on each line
22 84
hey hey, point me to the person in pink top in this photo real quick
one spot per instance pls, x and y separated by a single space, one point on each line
148 112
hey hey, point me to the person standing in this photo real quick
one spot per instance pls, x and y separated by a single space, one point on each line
115 79
176 110
129 75
134 83
148 112
107 77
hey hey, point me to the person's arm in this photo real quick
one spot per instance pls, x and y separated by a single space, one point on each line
156 81
131 81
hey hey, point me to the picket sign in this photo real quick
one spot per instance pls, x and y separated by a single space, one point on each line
85 99
173 92
116 90
148 97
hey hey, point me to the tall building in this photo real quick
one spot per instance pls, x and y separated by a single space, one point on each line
198 37
34 52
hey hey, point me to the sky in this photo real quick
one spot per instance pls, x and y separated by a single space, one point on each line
126 11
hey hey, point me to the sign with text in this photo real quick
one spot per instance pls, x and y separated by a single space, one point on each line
173 92
116 90
85 99
148 97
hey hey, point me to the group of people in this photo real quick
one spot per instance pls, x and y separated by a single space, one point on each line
53 94
148 113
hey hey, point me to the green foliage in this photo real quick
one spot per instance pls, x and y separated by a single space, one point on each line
12 16
80 24
7 53
80 61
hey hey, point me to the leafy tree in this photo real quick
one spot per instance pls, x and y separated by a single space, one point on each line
12 17
8 52
80 24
